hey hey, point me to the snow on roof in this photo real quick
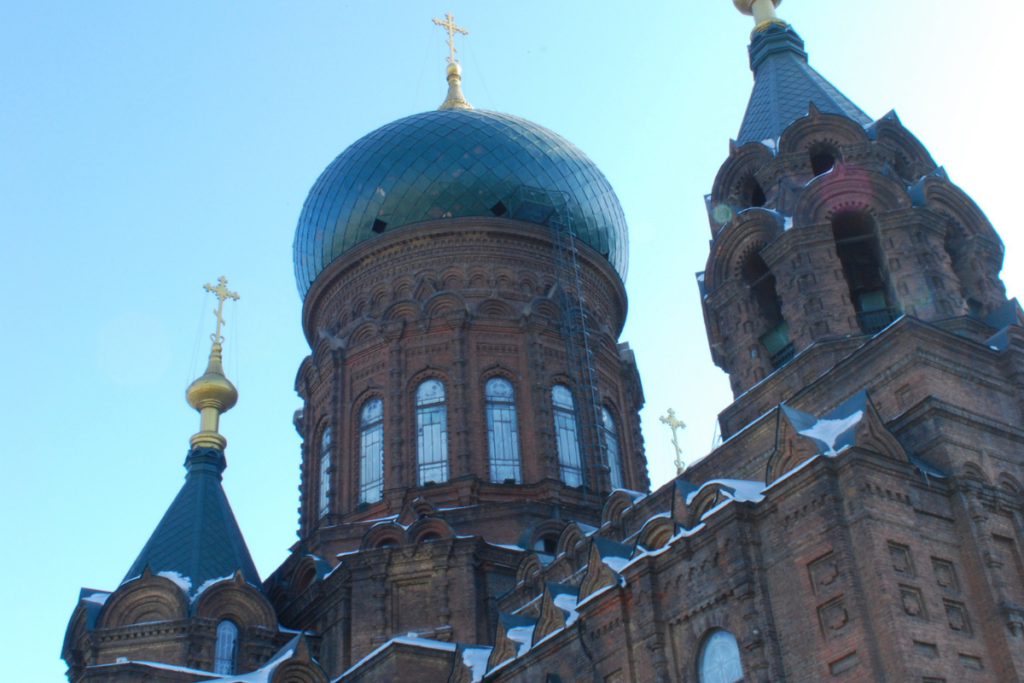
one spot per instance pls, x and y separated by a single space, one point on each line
504 545
830 432
208 583
476 659
616 564
522 635
97 597
410 639
740 490
567 603
184 582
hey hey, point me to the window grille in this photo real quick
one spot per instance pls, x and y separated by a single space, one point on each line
720 659
431 432
225 660
371 451
502 436
566 438
611 448
325 471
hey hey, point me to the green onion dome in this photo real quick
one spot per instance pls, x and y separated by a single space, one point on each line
452 163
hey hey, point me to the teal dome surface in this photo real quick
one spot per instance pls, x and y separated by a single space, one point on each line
451 163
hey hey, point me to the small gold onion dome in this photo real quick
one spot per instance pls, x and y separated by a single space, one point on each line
211 394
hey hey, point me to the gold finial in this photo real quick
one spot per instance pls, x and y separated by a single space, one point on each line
212 394
454 100
763 12
675 424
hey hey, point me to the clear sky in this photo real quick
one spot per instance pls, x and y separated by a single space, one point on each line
147 148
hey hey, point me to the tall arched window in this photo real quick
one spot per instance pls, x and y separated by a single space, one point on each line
720 659
431 432
611 448
569 463
371 451
502 437
225 656
325 472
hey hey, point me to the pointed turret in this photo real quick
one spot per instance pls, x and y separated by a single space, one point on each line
784 83
198 539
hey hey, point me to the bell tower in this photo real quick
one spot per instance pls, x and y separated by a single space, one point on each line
827 226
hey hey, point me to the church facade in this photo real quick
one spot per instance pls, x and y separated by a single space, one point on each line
474 502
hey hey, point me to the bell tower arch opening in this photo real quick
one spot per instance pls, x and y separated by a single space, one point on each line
860 251
823 157
773 328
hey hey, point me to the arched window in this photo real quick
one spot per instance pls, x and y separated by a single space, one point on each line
611 448
502 437
225 655
325 471
431 432
720 659
371 451
568 444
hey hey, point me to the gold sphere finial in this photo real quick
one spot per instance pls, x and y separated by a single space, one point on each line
213 394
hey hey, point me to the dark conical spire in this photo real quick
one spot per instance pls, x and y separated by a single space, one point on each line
198 538
784 85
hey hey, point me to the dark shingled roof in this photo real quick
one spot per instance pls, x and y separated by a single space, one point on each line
784 84
198 536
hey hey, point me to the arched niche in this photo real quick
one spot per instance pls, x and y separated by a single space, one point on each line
736 184
656 532
408 309
817 131
846 188
237 601
429 529
754 226
911 159
145 599
382 535
444 301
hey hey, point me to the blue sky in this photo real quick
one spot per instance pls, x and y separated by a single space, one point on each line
146 149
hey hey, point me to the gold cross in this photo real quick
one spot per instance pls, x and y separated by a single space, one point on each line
222 292
449 25
675 424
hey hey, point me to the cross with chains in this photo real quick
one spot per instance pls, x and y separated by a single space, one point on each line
222 292
449 25
675 424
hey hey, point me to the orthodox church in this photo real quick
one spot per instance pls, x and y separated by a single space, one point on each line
474 501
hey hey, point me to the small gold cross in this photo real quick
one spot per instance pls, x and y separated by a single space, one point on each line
675 424
449 25
222 292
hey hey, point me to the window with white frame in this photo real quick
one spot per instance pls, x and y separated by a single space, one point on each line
371 451
569 464
225 655
502 436
431 432
719 660
325 471
611 448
